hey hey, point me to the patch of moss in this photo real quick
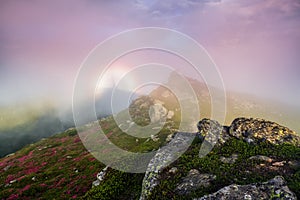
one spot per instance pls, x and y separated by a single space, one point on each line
118 185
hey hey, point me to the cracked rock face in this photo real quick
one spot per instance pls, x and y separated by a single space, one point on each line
273 189
258 130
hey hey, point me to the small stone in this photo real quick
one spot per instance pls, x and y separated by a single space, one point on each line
173 170
249 140
170 114
6 168
261 158
154 138
235 188
247 197
229 160
96 183
277 191
9 155
169 137
279 164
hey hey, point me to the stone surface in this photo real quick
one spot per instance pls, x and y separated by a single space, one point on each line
250 130
212 131
229 160
169 137
173 170
259 130
100 176
193 181
162 158
273 189
261 158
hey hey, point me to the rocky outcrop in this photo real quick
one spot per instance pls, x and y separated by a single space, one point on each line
163 157
275 188
212 131
193 181
259 130
248 129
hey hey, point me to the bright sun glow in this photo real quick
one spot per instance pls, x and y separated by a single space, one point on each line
110 78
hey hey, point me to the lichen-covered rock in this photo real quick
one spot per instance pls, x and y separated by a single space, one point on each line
230 160
212 131
162 158
258 130
193 181
273 189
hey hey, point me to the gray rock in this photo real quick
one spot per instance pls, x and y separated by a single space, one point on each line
173 170
6 168
100 176
170 114
261 158
274 188
163 158
259 130
230 159
212 131
169 137
193 181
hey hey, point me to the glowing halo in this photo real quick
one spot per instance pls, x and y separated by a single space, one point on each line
105 53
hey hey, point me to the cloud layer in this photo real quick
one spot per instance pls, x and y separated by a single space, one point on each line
254 43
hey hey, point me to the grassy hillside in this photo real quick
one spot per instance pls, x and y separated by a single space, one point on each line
60 167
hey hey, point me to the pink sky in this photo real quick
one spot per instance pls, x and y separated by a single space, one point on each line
254 43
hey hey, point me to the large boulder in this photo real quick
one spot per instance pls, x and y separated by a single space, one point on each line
259 130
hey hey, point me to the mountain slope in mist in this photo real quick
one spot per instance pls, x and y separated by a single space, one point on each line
236 104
